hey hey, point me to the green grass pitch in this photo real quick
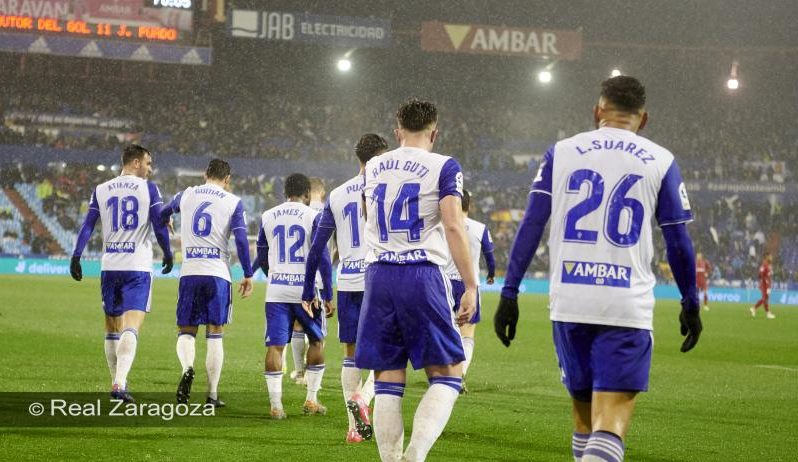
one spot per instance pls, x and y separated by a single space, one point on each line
732 398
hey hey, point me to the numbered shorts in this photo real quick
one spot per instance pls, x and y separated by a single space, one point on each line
349 304
458 289
204 300
407 315
602 358
125 290
280 319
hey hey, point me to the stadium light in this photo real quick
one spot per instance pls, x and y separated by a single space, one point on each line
101 168
615 73
733 83
344 65
544 76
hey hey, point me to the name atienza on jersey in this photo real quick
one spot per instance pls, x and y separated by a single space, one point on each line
408 229
604 210
124 205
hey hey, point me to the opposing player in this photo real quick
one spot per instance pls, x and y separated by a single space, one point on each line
299 341
703 268
601 189
765 282
479 241
211 213
412 211
128 207
283 243
343 215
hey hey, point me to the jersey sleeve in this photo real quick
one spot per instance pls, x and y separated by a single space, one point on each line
542 182
172 208
487 251
239 218
88 226
673 206
327 219
155 195
450 182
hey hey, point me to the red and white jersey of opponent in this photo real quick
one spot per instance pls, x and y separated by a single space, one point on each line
703 268
765 275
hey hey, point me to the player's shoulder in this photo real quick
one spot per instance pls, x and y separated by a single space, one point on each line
350 186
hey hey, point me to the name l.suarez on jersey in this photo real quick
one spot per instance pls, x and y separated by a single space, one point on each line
596 274
617 145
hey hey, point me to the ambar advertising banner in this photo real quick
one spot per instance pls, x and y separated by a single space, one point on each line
343 31
500 40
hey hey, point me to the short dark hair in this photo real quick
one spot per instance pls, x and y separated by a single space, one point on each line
369 146
416 115
133 152
624 92
466 200
218 169
297 185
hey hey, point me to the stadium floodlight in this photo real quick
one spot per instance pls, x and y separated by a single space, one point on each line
101 168
544 76
615 72
733 83
344 65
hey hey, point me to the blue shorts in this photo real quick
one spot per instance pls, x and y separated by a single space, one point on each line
280 319
125 290
458 289
407 315
602 358
204 300
348 315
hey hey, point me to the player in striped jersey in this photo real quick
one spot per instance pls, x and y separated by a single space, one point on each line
283 244
128 207
343 216
479 241
211 213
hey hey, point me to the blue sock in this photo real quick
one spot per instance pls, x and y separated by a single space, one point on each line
604 446
578 443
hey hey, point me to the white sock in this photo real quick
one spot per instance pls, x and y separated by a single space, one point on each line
185 350
313 375
431 416
350 383
468 347
274 383
389 429
298 350
214 359
125 353
367 389
111 339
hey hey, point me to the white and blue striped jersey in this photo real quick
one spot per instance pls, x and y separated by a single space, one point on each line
479 239
209 215
403 189
344 214
605 187
286 229
124 205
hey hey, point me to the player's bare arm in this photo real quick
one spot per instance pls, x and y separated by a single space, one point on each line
452 219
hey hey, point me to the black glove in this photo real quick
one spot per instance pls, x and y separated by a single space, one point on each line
168 262
75 270
505 320
691 327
